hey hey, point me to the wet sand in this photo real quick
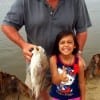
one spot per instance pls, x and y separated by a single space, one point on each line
93 89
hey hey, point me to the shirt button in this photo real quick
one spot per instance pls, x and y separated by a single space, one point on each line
51 13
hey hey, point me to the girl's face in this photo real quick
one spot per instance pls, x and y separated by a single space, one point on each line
66 45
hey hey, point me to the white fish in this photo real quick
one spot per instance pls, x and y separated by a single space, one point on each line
37 70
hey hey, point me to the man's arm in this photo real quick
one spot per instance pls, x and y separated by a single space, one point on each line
14 36
81 37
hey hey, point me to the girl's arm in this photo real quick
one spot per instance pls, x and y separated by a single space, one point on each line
56 77
82 78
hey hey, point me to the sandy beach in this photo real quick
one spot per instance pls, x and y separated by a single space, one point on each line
93 89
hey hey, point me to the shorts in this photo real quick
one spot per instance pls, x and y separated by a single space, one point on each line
68 99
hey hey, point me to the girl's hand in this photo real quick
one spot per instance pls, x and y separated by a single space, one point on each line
63 75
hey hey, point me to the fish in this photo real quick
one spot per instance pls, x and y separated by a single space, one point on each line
93 68
37 69
10 84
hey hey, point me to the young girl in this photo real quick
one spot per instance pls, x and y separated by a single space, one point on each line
67 69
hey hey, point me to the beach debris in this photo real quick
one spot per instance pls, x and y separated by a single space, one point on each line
36 72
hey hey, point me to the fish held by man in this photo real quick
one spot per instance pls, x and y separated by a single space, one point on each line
37 69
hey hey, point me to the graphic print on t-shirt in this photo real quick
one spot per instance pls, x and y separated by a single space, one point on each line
65 87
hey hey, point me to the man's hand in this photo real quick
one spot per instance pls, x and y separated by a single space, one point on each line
27 48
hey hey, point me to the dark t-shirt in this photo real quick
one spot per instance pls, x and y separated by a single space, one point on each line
42 24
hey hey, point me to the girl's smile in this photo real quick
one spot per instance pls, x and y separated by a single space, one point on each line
66 45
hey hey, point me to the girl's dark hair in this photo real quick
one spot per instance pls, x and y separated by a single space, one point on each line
62 34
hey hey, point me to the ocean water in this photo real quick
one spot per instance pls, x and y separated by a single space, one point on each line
11 58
